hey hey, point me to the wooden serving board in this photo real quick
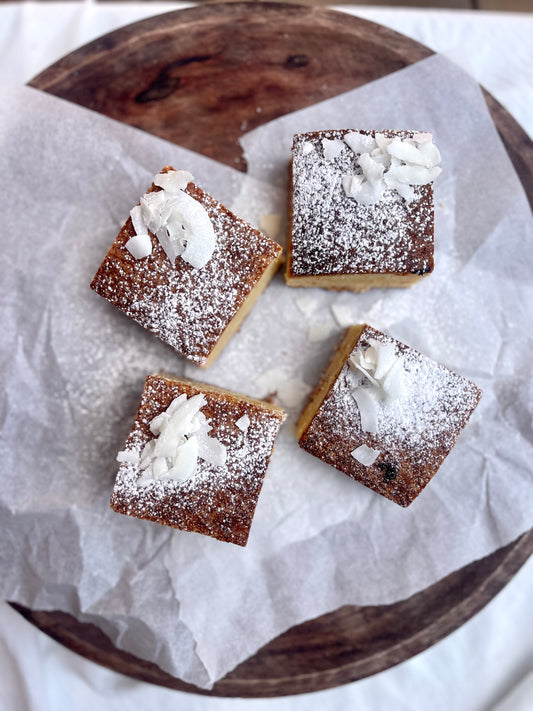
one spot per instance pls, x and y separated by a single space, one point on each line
200 78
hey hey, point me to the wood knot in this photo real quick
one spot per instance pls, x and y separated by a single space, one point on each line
166 82
159 89
295 61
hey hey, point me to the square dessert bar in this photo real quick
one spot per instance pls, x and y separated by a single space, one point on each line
386 415
196 458
361 209
186 268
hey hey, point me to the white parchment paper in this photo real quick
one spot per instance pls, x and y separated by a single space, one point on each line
74 369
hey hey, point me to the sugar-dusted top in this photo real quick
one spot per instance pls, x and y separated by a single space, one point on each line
218 501
415 431
331 233
188 308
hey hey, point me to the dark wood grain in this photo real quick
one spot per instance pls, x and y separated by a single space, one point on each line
200 78
348 644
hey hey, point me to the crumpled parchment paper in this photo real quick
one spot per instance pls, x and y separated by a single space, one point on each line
74 369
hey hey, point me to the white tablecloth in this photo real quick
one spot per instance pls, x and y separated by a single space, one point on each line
475 668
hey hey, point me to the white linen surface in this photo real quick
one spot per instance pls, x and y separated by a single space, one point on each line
32 36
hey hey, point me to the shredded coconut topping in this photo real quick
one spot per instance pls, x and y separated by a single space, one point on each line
383 379
397 163
180 223
182 437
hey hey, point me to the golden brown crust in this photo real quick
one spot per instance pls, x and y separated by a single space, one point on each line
328 377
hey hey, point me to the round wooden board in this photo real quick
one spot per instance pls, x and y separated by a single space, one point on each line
200 78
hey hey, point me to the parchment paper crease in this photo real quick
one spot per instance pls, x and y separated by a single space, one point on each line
74 367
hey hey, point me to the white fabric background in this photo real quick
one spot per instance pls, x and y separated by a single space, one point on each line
476 666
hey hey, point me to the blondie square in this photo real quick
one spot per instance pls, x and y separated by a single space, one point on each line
186 268
196 458
386 415
361 209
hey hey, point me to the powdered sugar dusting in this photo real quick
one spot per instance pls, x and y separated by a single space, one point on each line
414 433
219 500
332 234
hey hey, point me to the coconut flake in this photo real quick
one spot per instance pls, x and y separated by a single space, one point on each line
151 206
139 225
352 184
174 180
332 148
173 248
139 246
365 455
127 456
200 423
185 460
157 424
293 392
381 367
381 157
307 304
406 191
383 373
364 363
212 451
422 137
189 223
147 454
368 409
372 169
405 150
342 315
385 358
181 440
382 141
179 425
393 383
425 155
159 467
180 223
360 142
175 404
366 193
430 155
413 174
397 163
243 423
